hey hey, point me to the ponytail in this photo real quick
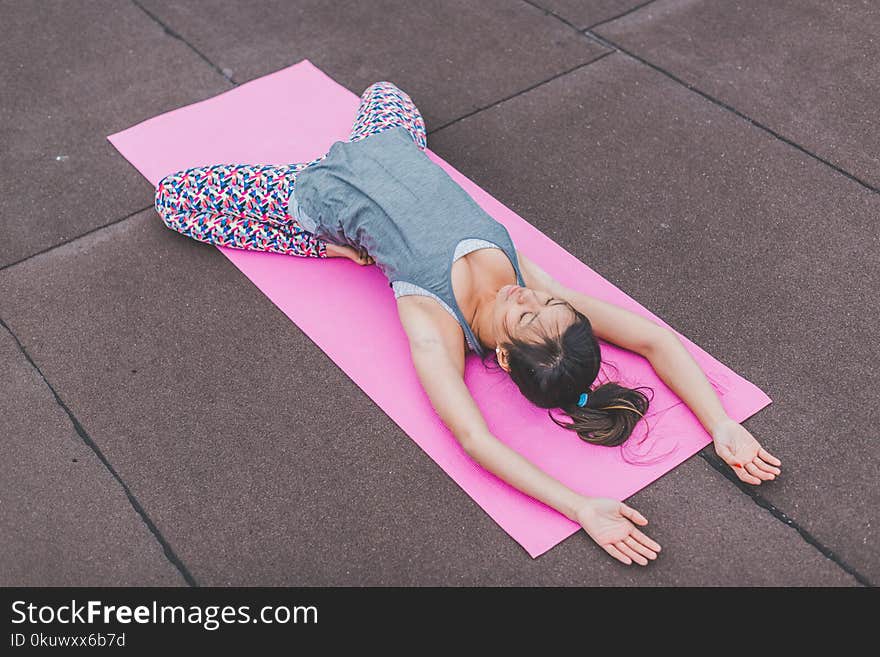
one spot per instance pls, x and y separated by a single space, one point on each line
609 416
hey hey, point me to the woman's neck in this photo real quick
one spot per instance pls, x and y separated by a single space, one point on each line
481 319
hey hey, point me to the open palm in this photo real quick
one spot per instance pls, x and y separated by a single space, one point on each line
739 449
612 525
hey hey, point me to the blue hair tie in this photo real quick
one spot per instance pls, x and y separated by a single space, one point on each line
583 399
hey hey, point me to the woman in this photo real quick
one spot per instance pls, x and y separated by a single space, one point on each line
459 282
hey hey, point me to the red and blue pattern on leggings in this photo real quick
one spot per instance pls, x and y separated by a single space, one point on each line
244 206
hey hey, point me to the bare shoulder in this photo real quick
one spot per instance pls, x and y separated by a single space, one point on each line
428 325
437 349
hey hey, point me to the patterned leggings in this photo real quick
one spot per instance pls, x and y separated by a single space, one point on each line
244 206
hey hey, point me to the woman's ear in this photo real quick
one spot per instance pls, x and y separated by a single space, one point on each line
501 354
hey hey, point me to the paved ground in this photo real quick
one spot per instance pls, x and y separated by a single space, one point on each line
717 160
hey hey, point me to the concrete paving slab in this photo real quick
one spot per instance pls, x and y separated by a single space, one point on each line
584 15
74 73
429 48
264 464
759 253
64 519
806 69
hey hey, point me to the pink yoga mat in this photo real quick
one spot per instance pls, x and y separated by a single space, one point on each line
294 115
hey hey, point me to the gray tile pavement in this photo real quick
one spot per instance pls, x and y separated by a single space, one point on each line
806 69
65 520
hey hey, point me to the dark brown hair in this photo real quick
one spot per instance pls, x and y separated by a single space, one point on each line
553 372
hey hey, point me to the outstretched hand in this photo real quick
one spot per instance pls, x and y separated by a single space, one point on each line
610 524
739 449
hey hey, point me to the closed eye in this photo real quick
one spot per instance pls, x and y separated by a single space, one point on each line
535 314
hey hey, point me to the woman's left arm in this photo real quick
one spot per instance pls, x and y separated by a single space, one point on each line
733 442
673 364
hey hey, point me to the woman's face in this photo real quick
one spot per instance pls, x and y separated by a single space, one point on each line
524 313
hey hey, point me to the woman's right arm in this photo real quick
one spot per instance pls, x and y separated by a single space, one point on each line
609 522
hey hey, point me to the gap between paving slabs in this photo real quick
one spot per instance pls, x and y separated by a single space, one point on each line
84 436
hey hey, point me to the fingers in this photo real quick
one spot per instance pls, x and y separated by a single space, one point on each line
744 474
617 554
765 467
632 554
644 540
635 547
768 457
760 468
749 472
632 514
755 471
641 549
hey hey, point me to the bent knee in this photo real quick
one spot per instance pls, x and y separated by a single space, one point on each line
381 85
168 190
167 201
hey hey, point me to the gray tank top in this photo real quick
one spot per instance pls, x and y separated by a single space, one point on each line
384 194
